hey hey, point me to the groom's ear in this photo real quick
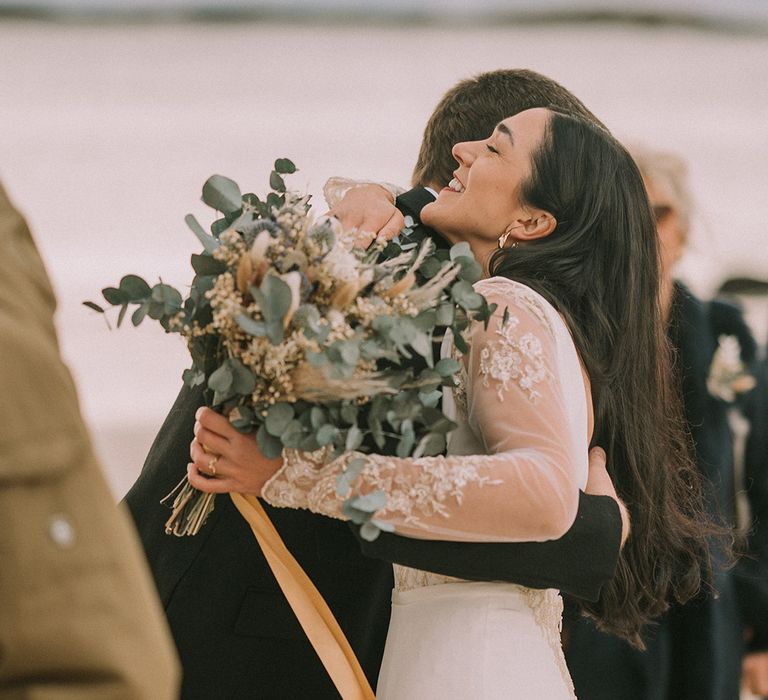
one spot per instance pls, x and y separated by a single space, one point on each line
538 224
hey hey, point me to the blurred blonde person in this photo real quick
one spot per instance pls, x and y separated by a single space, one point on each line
79 617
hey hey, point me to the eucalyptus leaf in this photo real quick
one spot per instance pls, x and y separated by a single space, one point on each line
405 445
461 250
470 269
121 315
209 242
243 381
251 326
140 313
219 226
326 434
279 416
430 267
193 377
221 379
134 287
114 296
276 182
156 310
447 367
431 444
207 265
168 296
222 193
309 443
444 316
274 201
426 320
317 416
270 446
422 344
377 432
275 332
430 399
94 306
369 502
307 317
349 413
369 531
350 352
354 439
277 298
293 435
316 359
284 166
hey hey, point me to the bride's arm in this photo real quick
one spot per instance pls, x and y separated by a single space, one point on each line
526 489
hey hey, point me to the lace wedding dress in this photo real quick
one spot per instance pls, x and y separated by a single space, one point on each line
512 473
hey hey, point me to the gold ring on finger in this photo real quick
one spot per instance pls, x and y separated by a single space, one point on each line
212 464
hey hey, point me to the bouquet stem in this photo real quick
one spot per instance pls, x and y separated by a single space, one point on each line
190 509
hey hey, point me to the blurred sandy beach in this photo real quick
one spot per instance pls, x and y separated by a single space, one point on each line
109 131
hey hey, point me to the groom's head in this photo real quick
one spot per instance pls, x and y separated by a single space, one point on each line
471 110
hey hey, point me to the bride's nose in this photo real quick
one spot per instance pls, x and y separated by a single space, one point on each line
465 152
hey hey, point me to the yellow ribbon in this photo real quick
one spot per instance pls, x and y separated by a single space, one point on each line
310 608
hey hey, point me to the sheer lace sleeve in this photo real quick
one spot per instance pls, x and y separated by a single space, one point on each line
526 485
336 187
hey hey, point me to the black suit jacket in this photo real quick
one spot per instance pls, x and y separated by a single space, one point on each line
235 633
694 653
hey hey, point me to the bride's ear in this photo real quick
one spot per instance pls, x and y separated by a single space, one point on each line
538 224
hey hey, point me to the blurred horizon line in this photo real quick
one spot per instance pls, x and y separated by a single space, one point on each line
743 16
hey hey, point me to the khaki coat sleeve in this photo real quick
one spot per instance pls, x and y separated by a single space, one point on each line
79 616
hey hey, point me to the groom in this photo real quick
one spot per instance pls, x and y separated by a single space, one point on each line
236 635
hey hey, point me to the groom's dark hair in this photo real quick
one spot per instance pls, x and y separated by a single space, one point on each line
471 110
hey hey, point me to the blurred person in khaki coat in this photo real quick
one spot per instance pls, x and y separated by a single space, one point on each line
79 617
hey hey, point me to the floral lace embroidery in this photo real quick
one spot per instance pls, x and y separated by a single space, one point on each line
523 297
547 609
513 359
306 482
407 579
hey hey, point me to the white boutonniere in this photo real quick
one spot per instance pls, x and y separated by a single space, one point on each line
728 376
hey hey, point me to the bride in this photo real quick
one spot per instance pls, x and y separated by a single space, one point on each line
574 355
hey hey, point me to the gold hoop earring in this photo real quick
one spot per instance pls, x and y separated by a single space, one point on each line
503 239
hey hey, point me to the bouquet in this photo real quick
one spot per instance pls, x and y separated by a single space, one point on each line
307 340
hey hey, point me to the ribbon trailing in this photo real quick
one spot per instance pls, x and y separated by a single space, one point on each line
310 608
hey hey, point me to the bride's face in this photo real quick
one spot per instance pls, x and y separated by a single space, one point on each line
483 199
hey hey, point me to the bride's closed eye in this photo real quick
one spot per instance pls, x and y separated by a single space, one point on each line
491 148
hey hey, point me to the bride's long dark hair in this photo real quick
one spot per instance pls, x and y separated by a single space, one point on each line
600 269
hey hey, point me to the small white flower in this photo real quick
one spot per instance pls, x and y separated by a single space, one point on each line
727 374
341 264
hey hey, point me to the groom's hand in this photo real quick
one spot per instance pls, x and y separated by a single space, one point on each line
370 210
599 484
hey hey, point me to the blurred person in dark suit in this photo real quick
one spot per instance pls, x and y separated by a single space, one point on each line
696 650
750 418
233 628
79 617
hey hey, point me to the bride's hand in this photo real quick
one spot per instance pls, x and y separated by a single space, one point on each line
370 210
225 460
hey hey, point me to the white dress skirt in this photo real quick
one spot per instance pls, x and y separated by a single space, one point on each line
474 641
